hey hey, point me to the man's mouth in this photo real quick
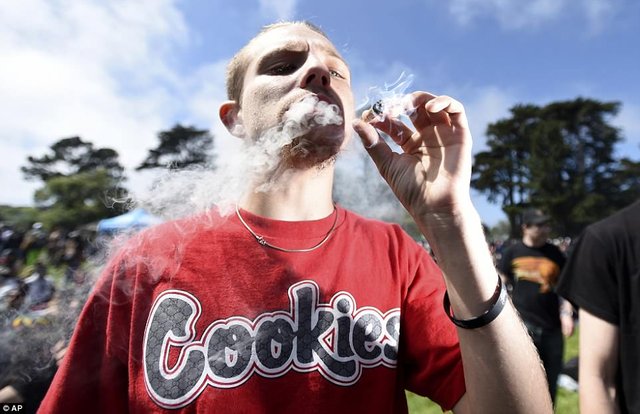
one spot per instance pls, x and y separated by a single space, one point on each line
324 98
313 109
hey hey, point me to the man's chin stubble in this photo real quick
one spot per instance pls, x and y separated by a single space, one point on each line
302 154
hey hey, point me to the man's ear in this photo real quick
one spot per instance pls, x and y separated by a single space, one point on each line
230 117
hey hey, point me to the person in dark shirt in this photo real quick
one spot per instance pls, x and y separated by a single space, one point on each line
532 266
602 279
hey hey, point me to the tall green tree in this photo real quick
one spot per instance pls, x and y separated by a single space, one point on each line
628 181
502 171
80 183
180 147
574 171
75 200
559 157
70 156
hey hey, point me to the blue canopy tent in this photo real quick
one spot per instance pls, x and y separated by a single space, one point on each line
131 221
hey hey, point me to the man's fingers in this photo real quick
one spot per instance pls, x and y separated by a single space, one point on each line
415 106
396 129
428 110
448 111
378 150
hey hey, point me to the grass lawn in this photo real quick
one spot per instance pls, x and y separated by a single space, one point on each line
567 402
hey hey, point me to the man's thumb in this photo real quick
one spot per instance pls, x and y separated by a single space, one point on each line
377 148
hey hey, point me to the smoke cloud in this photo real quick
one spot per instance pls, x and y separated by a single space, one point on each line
253 168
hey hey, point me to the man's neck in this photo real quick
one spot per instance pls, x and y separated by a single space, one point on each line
296 195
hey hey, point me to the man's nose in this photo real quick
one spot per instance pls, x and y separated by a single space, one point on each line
317 74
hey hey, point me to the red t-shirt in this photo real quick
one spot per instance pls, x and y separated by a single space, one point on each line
196 316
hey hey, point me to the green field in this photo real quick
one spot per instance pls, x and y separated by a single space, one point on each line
567 402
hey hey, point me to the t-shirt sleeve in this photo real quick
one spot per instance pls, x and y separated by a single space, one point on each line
432 363
588 278
92 376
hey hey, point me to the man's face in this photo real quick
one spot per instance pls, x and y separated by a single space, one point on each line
286 65
538 231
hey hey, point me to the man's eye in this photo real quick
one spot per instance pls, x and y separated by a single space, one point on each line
283 69
336 74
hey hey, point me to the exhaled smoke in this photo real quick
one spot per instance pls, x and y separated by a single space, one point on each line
253 168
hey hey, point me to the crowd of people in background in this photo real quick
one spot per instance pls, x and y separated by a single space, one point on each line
42 289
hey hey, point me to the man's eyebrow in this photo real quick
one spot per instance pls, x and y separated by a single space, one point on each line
291 46
297 46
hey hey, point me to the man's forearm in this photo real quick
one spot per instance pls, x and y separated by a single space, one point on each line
502 369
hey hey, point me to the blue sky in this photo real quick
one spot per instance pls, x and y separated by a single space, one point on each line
116 72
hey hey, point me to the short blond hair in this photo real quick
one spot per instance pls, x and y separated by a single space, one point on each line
237 67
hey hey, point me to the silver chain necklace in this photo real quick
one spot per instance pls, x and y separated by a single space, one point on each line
263 242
